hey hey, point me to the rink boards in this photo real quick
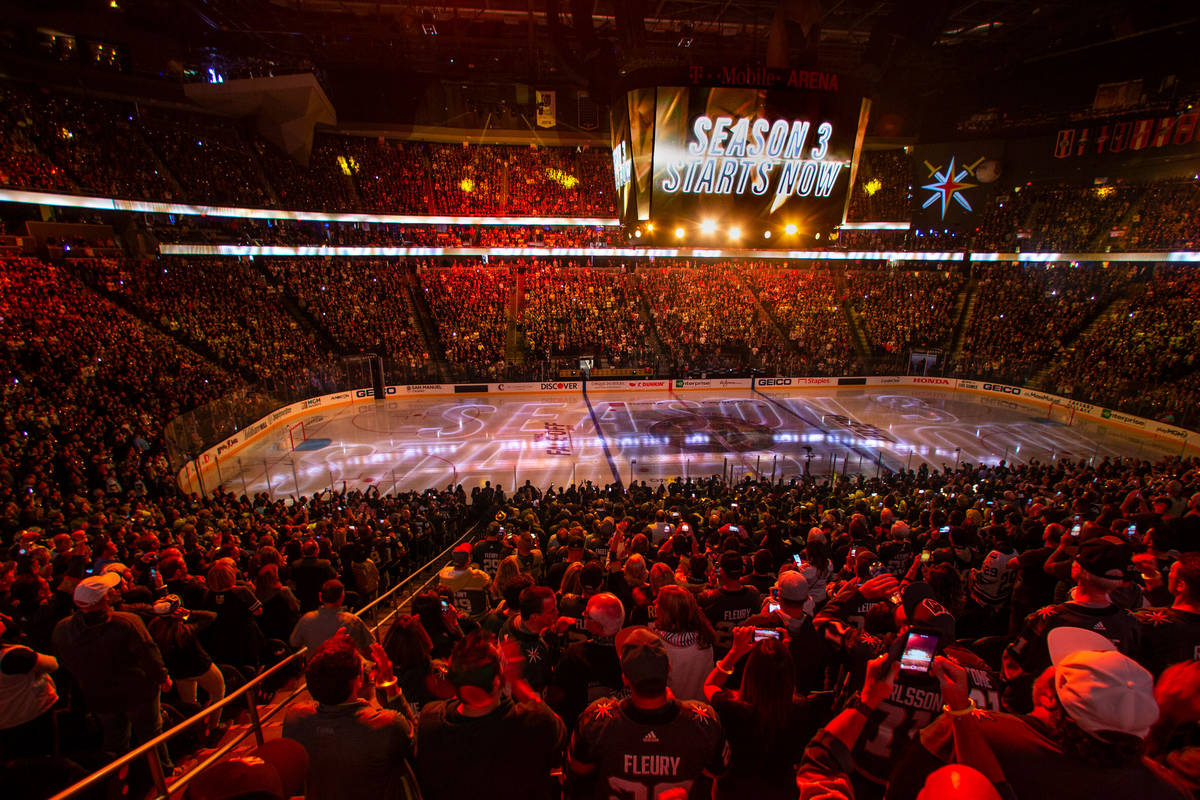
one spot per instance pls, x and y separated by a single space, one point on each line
428 435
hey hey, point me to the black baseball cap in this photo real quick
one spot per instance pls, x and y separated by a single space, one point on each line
732 564
924 612
1106 557
592 575
863 560
643 655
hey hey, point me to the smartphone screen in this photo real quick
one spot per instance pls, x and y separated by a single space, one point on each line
944 529
797 559
918 652
768 633
1075 530
1131 531
771 607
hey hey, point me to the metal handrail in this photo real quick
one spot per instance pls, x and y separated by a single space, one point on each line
150 749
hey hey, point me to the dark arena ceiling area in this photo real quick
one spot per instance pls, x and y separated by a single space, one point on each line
933 60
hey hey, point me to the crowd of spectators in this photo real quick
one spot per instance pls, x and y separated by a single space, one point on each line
571 310
807 305
904 309
153 600
716 317
470 305
882 191
322 186
208 155
224 306
978 631
1074 219
22 165
218 230
77 133
73 141
709 320
1024 313
363 304
88 389
520 180
1168 218
558 181
66 140
389 176
1154 342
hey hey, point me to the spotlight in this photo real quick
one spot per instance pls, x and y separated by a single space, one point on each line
708 226
790 229
679 233
649 227
638 234
735 233
766 234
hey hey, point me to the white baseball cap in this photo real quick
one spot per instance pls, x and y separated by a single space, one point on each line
90 591
792 586
1099 688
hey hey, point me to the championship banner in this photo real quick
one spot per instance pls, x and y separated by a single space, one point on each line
547 108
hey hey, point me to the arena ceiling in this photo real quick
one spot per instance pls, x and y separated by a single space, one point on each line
837 33
916 57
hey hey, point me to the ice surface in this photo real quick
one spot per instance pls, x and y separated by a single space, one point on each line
421 442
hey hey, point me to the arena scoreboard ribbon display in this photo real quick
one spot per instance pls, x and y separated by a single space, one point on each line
736 159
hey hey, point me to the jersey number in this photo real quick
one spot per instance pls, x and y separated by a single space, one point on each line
633 790
899 721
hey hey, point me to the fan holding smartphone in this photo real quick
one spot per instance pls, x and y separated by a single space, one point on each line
924 632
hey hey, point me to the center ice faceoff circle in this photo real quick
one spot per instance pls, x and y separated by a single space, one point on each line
704 432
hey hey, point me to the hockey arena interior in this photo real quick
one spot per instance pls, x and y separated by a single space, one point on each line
629 401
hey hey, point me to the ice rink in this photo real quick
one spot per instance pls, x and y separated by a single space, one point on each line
556 438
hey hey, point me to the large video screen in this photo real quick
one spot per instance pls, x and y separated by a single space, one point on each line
622 159
751 157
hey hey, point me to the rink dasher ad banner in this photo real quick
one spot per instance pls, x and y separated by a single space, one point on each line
628 386
535 387
685 384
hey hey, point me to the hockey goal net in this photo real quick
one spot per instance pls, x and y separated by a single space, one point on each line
1063 415
296 435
